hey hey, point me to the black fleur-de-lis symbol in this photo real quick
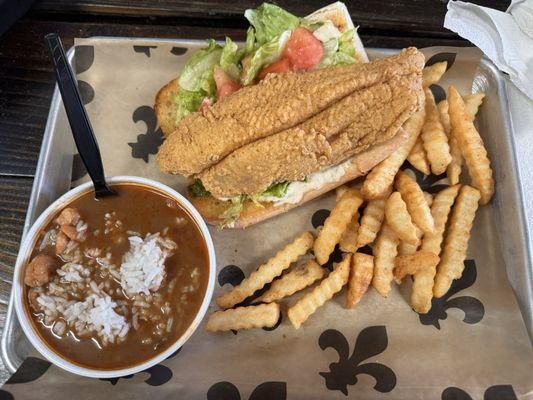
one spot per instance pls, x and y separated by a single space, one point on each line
234 275
31 369
159 374
428 183
370 342
83 60
178 51
496 392
444 56
263 391
144 50
149 142
5 395
472 307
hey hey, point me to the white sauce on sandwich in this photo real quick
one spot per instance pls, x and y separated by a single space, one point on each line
297 190
326 32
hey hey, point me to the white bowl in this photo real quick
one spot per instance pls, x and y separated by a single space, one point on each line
26 249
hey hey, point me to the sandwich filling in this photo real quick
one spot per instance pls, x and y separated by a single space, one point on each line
285 114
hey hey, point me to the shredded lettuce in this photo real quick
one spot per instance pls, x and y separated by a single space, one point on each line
266 54
270 21
230 58
232 212
339 51
250 41
187 102
197 74
197 189
276 190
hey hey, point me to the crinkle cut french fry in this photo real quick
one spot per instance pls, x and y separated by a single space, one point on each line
418 157
385 250
432 74
362 270
371 221
415 200
382 175
434 138
406 248
399 220
453 171
340 191
472 103
330 285
413 263
268 271
261 316
422 289
293 281
456 243
336 224
472 146
348 242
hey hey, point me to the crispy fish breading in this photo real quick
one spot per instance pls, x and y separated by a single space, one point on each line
268 271
330 285
275 104
382 176
346 128
297 279
261 316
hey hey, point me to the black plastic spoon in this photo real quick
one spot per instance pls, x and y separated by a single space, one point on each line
77 116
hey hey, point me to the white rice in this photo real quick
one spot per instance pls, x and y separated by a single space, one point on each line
143 266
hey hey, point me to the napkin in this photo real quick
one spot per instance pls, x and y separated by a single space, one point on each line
505 37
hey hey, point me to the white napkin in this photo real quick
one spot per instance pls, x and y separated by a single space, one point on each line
505 37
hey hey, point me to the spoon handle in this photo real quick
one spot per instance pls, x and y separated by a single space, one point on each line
77 116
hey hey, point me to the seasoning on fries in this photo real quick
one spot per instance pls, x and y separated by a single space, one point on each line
295 280
456 243
471 145
385 250
260 316
336 224
348 242
422 289
268 271
399 220
371 221
362 270
415 200
432 74
418 157
413 263
330 285
434 138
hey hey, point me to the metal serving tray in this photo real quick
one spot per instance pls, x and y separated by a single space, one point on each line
53 178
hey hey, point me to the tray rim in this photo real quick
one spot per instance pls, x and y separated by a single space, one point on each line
12 362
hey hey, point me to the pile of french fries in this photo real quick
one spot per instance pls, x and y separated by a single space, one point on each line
410 232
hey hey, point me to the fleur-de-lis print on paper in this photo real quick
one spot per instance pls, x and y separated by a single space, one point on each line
263 391
31 369
370 342
496 392
157 375
472 307
146 50
233 275
428 183
149 142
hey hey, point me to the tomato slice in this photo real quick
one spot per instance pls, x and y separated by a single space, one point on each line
206 103
277 67
303 49
225 85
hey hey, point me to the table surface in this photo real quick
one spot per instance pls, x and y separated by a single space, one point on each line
27 82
